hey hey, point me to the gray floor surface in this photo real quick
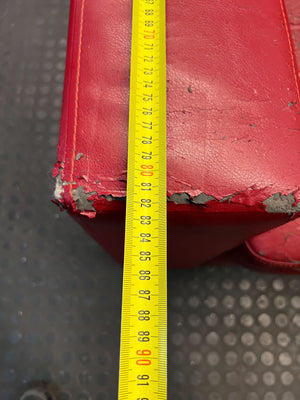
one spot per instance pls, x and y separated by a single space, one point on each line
234 334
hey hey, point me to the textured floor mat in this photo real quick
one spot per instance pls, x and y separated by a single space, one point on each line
233 334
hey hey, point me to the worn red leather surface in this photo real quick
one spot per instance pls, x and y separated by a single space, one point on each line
232 118
280 247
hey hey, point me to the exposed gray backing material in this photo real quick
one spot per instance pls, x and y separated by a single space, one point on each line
233 334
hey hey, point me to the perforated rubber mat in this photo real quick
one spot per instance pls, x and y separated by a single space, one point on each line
234 334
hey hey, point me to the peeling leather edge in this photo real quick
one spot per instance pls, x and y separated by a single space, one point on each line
185 198
81 198
282 203
59 187
276 203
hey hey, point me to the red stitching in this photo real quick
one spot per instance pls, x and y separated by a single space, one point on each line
69 59
291 48
76 98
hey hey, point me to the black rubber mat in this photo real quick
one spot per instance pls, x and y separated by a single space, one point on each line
233 334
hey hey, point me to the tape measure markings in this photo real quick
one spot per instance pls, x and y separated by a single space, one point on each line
143 352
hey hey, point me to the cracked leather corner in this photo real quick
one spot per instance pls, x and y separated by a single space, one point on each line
282 203
81 199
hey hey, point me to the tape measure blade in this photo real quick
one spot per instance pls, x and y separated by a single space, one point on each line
143 351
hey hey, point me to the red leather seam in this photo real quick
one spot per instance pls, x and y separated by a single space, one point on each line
269 261
76 99
71 34
286 23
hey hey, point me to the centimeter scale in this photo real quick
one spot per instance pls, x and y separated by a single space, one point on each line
143 353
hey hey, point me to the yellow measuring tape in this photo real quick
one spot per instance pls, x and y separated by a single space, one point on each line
143 353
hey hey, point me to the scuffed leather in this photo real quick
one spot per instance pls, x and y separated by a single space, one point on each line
232 121
233 100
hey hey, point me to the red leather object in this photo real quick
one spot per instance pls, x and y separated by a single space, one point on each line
232 123
279 249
